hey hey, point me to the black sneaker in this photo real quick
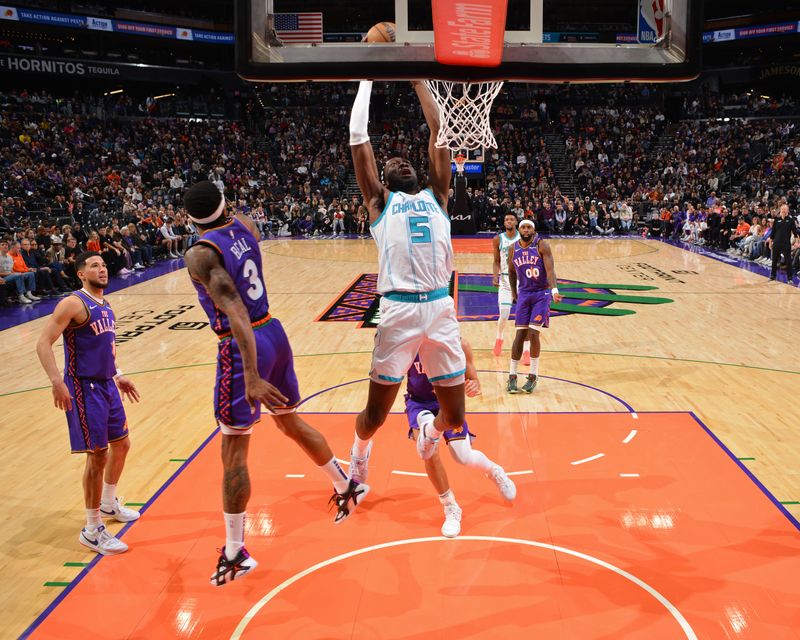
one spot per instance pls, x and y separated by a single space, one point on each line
512 385
355 493
530 383
230 570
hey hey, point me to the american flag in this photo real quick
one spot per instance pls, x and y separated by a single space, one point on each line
299 27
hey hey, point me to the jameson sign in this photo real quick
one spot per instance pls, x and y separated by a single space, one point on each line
781 70
26 64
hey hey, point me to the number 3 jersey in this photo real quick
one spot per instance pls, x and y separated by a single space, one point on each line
241 257
414 249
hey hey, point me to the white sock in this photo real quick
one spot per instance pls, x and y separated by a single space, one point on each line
514 365
448 497
336 474
360 447
526 346
109 493
535 366
93 519
234 533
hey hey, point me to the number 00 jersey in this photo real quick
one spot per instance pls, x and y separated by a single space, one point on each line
241 257
414 249
531 273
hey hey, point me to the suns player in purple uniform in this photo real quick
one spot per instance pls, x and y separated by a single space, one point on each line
422 405
89 393
532 276
254 366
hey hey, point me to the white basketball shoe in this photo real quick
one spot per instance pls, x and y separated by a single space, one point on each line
504 484
101 541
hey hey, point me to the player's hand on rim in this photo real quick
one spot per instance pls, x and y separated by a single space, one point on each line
259 390
61 396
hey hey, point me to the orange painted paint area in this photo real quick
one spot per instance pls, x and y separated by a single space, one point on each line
628 528
472 245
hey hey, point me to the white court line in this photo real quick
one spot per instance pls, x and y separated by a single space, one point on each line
630 436
589 459
340 461
671 608
520 473
295 475
635 415
628 475
410 473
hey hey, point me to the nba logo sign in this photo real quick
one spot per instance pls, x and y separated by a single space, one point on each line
651 25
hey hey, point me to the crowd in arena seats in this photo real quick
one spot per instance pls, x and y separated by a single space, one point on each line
97 172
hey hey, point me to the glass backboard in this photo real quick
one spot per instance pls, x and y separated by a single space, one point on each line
544 41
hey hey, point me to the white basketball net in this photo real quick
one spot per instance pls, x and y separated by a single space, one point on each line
464 110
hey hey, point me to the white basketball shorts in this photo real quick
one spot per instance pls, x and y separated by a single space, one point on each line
428 328
504 292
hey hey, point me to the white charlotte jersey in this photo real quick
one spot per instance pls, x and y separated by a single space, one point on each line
505 243
414 249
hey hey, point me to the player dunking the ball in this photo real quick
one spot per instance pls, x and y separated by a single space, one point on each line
500 244
254 366
532 276
415 261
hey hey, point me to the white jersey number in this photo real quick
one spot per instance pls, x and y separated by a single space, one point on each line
419 229
250 272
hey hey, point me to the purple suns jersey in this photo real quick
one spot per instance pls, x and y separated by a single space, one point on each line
241 257
419 387
531 274
89 348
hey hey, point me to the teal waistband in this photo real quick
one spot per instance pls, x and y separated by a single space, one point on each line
428 296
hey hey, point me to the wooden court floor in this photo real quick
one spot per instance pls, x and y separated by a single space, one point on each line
693 525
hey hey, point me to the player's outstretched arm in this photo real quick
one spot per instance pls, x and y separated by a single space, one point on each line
205 266
363 157
70 309
438 159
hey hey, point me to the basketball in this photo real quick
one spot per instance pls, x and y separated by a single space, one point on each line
381 32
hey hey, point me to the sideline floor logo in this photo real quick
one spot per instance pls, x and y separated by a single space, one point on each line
476 299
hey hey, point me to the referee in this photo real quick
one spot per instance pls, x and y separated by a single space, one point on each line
782 232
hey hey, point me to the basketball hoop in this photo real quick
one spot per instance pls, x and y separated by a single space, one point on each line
464 113
460 161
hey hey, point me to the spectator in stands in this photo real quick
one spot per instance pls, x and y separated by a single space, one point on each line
53 259
93 243
560 218
306 225
338 221
141 244
19 267
740 233
112 255
44 275
361 220
14 272
169 240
